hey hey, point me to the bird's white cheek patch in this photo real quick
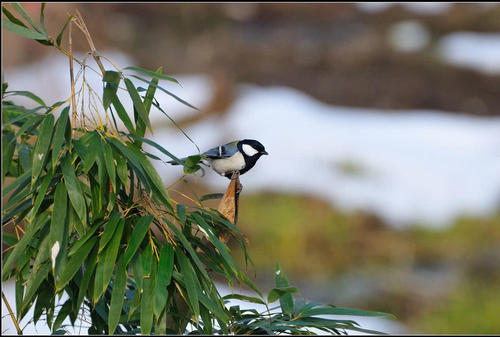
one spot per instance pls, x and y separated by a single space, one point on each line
249 151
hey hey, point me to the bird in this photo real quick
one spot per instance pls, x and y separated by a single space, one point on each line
237 156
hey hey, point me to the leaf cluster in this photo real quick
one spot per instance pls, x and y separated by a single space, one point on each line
94 221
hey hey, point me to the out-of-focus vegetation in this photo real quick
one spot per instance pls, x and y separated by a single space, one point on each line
459 266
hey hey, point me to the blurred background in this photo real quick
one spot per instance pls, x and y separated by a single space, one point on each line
382 121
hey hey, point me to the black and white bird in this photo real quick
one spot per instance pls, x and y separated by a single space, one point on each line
238 156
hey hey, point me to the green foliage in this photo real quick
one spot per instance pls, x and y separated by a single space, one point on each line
100 226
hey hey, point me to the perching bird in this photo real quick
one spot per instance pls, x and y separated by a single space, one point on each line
238 156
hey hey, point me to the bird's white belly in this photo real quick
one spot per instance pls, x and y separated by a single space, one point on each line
234 163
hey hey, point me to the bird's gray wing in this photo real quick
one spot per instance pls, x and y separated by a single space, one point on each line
223 151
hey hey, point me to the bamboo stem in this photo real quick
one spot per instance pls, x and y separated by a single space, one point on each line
11 313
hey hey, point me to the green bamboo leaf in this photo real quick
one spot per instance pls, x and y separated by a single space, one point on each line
29 125
140 230
25 156
148 295
122 114
110 164
134 162
219 311
63 313
286 300
23 31
181 212
74 190
22 180
276 293
112 80
25 240
83 239
152 73
109 230
8 147
60 35
155 145
138 105
244 298
165 269
212 196
75 221
344 311
58 220
42 147
150 171
107 262
90 266
43 301
41 195
148 99
121 168
207 321
91 151
135 302
188 247
74 263
117 296
42 24
221 247
19 8
61 125
14 116
12 18
29 95
38 277
191 282
167 92
18 197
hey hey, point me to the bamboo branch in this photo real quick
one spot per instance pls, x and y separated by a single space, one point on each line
11 313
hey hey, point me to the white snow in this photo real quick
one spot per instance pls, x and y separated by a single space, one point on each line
476 51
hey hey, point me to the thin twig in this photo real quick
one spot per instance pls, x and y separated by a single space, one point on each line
71 76
11 313
85 31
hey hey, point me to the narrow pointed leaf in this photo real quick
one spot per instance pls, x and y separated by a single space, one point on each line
61 125
165 269
286 300
107 262
117 296
19 8
140 229
191 281
110 164
74 263
148 295
152 73
138 105
42 147
23 31
60 35
74 190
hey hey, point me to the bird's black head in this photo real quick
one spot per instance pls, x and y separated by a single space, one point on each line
251 148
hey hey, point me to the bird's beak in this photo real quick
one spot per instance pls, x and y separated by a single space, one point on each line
264 152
